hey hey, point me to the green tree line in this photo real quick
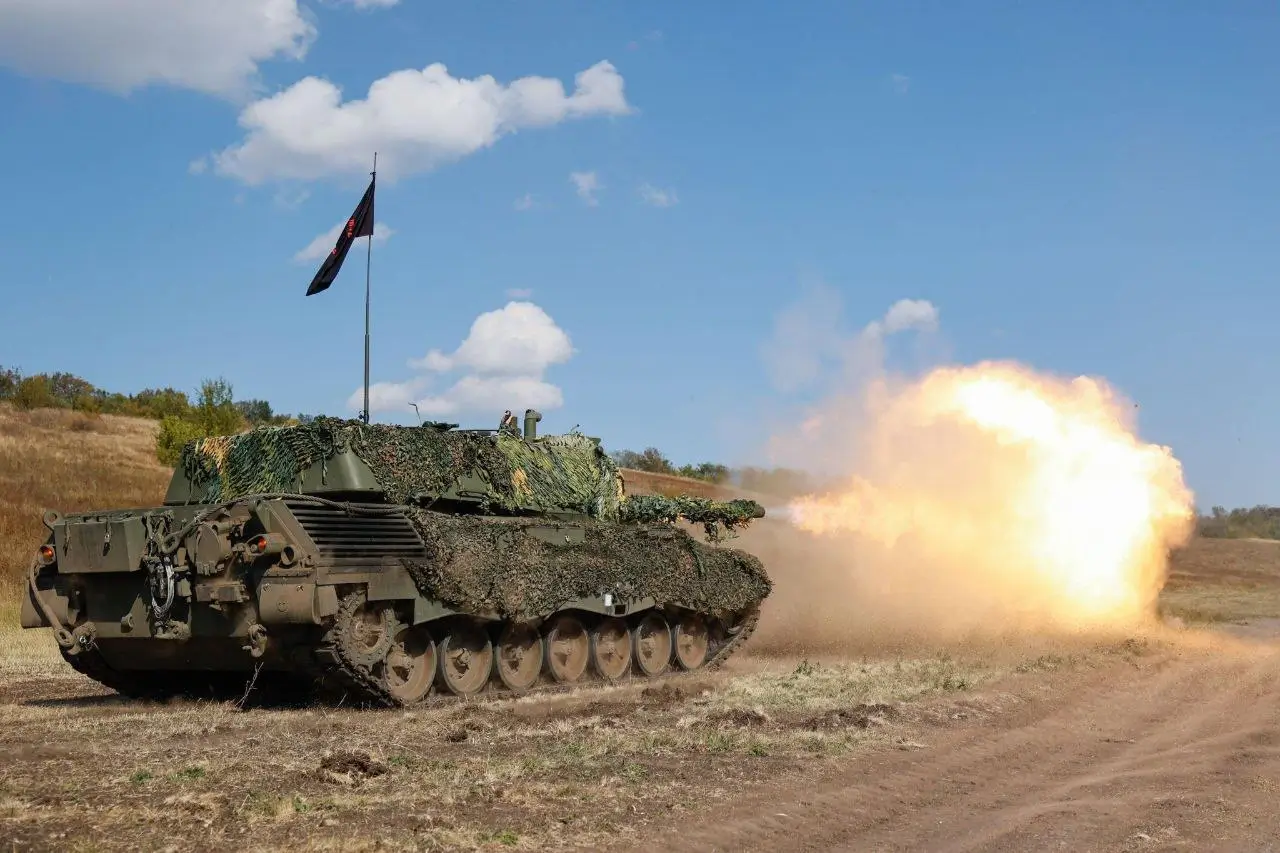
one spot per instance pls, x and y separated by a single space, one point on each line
214 411
1258 522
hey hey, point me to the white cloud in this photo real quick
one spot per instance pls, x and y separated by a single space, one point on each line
369 4
525 202
492 394
415 119
519 338
122 45
502 363
323 243
586 185
387 396
650 194
519 292
911 314
901 83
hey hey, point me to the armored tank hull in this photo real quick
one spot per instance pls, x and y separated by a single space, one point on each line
394 566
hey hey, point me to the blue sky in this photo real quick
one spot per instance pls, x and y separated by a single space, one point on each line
1083 187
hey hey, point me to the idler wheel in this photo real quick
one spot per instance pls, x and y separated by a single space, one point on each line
568 649
411 665
519 657
611 648
466 659
367 634
651 639
692 640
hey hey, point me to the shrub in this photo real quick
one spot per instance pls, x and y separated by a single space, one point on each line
34 392
174 434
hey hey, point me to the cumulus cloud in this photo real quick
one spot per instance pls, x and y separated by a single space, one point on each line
323 243
388 396
586 185
651 195
520 338
415 119
909 314
502 363
122 45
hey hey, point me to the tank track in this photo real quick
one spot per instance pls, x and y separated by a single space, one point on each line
366 686
339 674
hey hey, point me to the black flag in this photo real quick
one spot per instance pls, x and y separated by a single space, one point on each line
359 225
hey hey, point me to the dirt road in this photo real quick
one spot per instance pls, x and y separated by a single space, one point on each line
1180 751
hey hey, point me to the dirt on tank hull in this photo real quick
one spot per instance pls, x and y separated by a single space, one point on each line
385 564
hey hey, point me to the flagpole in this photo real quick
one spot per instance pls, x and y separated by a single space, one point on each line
368 264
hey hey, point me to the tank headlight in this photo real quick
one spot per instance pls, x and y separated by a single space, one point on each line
46 554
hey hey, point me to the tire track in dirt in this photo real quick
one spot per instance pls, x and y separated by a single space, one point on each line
1178 752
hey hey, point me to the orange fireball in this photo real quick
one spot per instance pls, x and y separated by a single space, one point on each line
1032 490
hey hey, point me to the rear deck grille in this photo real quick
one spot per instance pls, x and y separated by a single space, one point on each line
340 536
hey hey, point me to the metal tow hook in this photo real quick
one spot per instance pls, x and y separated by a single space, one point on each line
257 646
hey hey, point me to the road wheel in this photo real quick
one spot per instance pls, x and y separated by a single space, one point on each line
692 640
651 639
611 649
466 659
519 658
567 649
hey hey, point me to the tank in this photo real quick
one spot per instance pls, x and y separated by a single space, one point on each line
395 565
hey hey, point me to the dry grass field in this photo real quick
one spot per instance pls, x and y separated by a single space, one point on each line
1003 746
58 459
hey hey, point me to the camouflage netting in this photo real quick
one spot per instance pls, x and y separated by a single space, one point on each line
411 464
714 516
488 565
415 465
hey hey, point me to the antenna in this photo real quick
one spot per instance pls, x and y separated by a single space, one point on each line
416 412
368 264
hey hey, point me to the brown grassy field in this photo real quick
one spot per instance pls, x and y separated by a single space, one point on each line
57 459
602 768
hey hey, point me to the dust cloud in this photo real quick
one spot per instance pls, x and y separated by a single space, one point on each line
962 501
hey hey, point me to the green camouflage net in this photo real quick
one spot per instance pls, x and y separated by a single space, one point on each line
415 465
716 517
411 464
500 566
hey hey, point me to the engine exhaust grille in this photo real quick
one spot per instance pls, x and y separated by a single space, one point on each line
343 536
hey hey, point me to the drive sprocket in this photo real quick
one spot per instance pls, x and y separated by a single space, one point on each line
365 630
